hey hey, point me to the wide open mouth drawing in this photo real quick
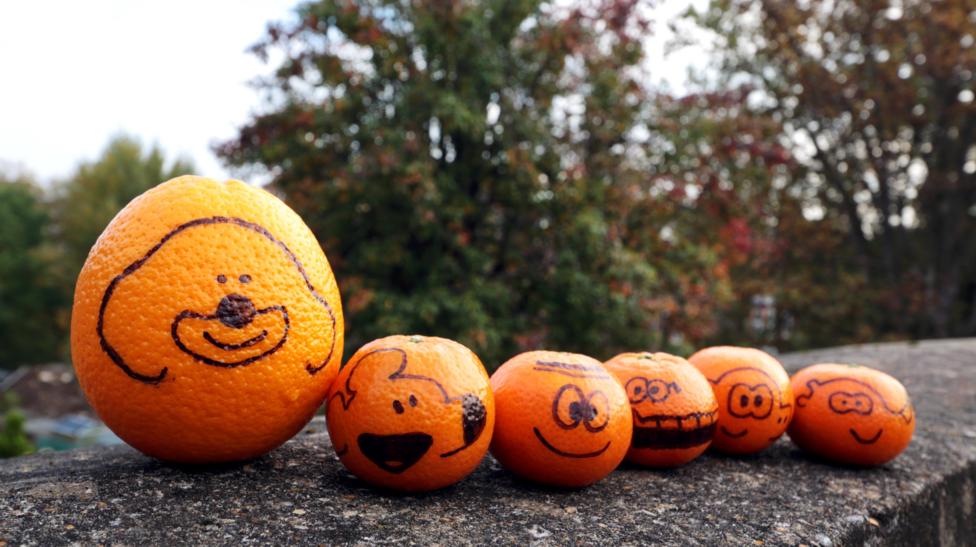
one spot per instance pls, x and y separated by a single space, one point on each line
394 453
565 453
673 431
236 334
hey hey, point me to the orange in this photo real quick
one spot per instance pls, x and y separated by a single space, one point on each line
755 401
674 410
563 419
207 324
411 413
851 414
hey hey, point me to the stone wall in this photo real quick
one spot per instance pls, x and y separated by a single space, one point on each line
300 493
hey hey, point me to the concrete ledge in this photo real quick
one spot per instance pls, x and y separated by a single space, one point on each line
300 493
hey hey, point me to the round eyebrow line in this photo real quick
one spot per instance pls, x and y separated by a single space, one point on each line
573 370
740 369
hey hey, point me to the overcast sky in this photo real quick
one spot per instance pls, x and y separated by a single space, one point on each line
175 73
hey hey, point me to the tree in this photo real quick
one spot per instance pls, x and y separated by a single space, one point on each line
470 169
84 204
791 280
877 99
29 331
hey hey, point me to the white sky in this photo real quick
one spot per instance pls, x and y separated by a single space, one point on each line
174 73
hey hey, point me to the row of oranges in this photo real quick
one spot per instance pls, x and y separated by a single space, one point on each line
207 326
418 413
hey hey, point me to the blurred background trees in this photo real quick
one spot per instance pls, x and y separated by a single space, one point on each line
83 204
792 282
876 99
475 170
503 173
45 235
30 294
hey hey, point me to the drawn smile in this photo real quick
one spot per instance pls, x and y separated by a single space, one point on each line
868 440
733 435
226 346
566 454
235 315
395 453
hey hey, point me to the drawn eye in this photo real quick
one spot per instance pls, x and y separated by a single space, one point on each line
746 401
398 405
739 401
838 402
864 403
636 389
244 278
568 407
858 402
580 411
221 279
762 401
599 412
657 391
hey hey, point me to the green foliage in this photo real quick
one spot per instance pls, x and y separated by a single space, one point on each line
474 170
86 202
29 330
44 241
13 439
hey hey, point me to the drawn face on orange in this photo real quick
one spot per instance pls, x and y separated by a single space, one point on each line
403 416
563 419
851 414
233 316
754 397
206 325
674 410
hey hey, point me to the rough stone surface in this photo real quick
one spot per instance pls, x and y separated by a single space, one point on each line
300 493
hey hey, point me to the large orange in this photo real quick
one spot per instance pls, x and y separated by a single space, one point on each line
755 401
207 324
851 414
411 413
563 419
674 410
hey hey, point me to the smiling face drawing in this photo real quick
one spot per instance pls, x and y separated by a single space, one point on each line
207 325
411 413
225 346
235 331
573 409
754 397
674 410
563 419
851 414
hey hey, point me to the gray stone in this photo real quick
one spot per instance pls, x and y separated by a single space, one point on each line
300 494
